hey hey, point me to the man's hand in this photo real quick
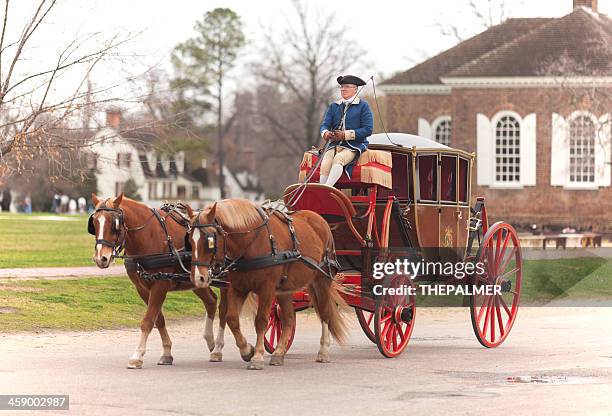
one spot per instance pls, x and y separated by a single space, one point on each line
339 135
328 135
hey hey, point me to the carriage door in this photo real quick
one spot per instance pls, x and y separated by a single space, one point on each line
450 215
427 214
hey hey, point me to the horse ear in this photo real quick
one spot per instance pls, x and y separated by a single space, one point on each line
212 212
95 199
117 201
189 210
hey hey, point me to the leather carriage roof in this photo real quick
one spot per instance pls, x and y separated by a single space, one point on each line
406 140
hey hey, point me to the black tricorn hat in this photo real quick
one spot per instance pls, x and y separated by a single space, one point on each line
350 79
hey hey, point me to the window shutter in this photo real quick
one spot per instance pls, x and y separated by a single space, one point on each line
528 150
424 128
484 150
559 153
602 152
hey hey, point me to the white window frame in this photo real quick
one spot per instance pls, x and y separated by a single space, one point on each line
436 123
494 120
578 184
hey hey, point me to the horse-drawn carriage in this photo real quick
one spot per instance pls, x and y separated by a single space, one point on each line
409 199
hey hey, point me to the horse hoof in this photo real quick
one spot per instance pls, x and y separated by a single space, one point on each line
277 360
165 360
322 358
134 364
255 365
250 354
216 357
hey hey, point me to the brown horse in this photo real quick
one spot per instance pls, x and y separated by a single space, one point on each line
235 228
123 222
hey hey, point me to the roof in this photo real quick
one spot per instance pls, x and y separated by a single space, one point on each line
579 43
405 140
430 71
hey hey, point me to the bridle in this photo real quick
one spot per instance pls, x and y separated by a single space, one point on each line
220 268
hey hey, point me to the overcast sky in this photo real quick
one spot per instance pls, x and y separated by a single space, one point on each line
395 34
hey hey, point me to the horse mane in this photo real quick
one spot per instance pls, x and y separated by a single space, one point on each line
237 214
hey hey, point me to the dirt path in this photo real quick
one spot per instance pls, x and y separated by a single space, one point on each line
556 361
56 273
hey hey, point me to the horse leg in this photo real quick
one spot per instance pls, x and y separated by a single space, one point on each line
325 343
266 298
287 319
160 323
209 298
235 300
217 354
157 295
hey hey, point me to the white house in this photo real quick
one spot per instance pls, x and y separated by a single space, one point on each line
121 155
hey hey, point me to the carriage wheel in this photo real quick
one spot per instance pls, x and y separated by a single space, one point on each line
275 329
394 317
366 321
493 314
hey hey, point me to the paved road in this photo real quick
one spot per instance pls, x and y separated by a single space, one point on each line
444 371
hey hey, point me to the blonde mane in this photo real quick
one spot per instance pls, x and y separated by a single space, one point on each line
238 214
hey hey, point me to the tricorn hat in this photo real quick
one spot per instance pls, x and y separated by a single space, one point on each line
350 79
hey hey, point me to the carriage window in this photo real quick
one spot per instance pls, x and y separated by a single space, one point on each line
463 180
428 178
507 150
448 179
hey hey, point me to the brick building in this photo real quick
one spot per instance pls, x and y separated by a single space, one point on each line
531 97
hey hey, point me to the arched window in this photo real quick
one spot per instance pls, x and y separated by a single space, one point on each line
582 131
442 130
507 149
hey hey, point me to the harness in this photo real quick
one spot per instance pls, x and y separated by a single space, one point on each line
241 264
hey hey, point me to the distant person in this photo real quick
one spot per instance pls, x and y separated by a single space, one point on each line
64 200
55 203
6 200
27 204
82 203
348 123
72 207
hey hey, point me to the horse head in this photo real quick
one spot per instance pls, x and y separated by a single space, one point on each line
207 245
107 224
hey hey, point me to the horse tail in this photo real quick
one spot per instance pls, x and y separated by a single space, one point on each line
329 305
249 307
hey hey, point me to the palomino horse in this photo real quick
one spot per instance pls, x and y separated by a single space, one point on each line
236 229
123 222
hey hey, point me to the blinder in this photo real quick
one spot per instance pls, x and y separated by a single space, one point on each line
116 224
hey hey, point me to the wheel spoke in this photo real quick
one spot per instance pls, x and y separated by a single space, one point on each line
369 319
505 263
482 308
492 313
385 329
394 337
505 306
487 316
499 318
503 250
497 243
509 272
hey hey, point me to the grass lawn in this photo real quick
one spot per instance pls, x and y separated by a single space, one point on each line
84 304
33 241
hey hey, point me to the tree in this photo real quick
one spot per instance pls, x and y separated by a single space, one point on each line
34 107
297 76
203 63
130 189
483 13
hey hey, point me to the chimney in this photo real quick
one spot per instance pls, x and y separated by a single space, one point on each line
591 4
113 118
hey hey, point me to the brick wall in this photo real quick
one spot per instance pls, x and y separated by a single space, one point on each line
542 204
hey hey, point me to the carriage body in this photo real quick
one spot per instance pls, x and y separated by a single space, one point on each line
410 198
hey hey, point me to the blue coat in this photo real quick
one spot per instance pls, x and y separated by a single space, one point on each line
359 125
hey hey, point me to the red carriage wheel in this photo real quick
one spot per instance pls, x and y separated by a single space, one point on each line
493 314
366 321
275 328
394 316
